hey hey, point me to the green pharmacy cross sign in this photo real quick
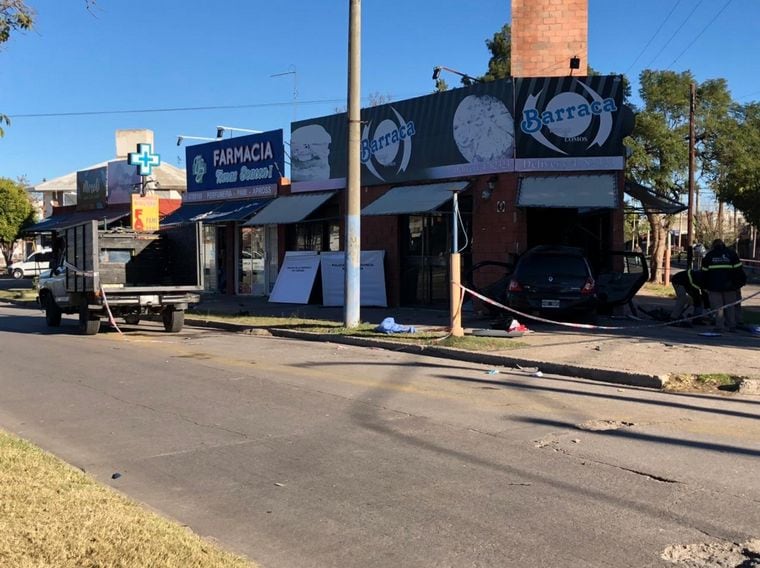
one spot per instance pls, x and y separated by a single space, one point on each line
144 159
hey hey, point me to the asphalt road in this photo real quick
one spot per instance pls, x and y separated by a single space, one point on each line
302 454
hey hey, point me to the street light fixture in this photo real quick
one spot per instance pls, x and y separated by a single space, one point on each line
467 79
182 137
220 130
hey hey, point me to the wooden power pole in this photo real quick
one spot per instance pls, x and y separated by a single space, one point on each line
690 215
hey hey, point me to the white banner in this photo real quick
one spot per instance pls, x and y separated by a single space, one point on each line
372 280
296 278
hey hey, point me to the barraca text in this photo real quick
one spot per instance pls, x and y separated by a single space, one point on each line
369 147
533 120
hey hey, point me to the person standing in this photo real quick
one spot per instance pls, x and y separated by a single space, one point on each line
724 278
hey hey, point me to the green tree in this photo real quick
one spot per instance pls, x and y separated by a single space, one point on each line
500 46
659 148
16 213
735 160
14 15
499 64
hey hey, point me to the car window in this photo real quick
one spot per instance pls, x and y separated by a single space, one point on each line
557 264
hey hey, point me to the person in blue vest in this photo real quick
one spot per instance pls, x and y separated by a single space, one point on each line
724 278
690 291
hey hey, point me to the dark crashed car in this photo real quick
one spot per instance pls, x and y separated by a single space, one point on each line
553 279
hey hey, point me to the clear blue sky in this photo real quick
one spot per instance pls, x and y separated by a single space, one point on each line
158 54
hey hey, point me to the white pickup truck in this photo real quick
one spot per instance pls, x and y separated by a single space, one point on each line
124 274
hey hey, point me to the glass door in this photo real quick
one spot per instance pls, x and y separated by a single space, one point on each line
251 262
209 258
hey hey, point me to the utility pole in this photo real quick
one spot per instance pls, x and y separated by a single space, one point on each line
690 217
351 301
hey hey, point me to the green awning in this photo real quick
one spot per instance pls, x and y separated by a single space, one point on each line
576 191
290 208
409 199
652 202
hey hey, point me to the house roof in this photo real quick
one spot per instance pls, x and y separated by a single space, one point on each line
168 177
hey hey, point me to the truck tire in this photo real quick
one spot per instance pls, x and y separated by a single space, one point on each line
88 324
173 320
132 319
52 312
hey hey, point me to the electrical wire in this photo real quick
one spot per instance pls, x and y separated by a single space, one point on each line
712 20
183 109
654 35
464 230
169 109
675 33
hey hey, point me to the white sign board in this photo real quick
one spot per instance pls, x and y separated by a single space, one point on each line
296 278
372 280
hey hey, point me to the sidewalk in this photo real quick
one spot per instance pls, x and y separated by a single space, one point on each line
642 353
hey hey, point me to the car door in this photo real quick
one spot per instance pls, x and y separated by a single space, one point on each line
623 275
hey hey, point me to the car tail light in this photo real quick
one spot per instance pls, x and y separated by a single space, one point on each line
588 287
514 286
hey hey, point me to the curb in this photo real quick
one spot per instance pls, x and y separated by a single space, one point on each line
645 380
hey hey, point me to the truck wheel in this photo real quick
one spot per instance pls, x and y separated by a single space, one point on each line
88 324
173 320
18 274
132 319
52 313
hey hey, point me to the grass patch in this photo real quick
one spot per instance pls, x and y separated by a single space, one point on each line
715 383
54 515
661 290
718 379
283 322
423 337
427 338
19 294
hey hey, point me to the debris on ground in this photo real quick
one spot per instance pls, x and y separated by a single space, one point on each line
601 425
714 554
389 325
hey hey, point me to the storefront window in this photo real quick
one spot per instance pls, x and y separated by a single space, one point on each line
425 255
251 261
315 236
209 258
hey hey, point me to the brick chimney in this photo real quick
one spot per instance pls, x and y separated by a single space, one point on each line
546 34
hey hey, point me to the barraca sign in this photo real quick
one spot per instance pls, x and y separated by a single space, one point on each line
461 132
240 164
572 117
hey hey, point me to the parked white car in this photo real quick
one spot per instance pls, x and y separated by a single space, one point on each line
33 265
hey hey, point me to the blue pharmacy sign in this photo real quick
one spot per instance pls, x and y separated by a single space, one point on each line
144 159
244 166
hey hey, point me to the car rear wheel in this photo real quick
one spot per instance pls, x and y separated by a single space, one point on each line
18 274
173 320
88 323
52 313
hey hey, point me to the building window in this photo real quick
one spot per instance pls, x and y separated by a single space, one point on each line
318 236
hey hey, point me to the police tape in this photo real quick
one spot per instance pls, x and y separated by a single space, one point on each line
111 319
594 326
92 274
75 270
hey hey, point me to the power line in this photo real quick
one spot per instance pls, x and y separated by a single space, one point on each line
191 109
745 96
715 17
654 35
675 33
170 109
